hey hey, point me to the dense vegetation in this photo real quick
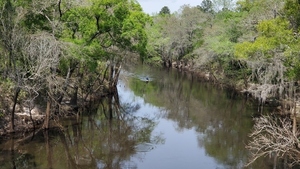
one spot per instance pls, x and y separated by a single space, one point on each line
59 55
253 47
64 52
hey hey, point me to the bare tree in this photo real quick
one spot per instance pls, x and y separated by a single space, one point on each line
274 136
42 57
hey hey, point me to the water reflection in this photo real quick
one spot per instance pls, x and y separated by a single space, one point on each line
106 139
222 119
168 121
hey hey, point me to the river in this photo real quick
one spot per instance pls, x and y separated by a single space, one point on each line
159 120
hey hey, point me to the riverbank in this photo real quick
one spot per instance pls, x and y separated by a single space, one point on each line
261 95
26 121
160 116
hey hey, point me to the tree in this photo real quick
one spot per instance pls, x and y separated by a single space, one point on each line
207 6
266 57
174 37
30 54
223 5
109 29
257 11
58 49
292 11
165 11
157 40
12 41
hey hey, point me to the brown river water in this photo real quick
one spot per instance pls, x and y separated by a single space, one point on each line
160 120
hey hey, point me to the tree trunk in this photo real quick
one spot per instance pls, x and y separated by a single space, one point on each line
294 105
47 117
74 97
110 108
59 100
31 119
17 92
294 119
104 75
111 76
116 76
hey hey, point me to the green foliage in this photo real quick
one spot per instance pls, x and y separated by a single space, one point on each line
157 40
174 37
6 85
292 11
8 9
255 5
1 113
34 22
278 28
292 60
274 34
207 6
293 64
236 70
140 88
229 16
227 31
198 43
221 45
122 25
245 5
47 45
134 28
156 61
165 11
234 32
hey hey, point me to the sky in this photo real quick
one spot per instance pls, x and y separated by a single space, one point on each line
154 6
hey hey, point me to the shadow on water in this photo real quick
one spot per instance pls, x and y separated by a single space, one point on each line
157 119
222 118
108 137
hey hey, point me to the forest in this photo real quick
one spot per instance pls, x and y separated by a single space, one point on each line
57 56
61 54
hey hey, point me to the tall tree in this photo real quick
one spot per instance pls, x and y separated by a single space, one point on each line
106 31
174 37
12 41
165 11
58 48
30 54
207 6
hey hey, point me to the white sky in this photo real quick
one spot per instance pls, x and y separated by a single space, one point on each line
154 6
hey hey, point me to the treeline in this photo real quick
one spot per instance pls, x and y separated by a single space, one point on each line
252 45
66 53
59 53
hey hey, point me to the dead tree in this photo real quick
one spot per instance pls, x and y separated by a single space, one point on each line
274 136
